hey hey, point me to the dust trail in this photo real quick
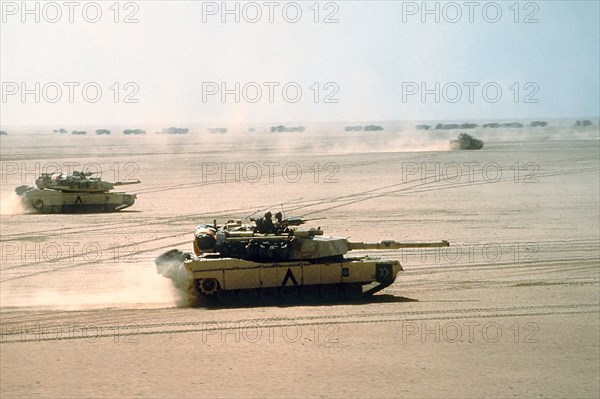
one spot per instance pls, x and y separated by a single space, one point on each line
171 266
11 204
133 286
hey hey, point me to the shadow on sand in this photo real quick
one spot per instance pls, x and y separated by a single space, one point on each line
385 298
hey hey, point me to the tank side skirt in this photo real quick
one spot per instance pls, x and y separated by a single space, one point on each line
300 274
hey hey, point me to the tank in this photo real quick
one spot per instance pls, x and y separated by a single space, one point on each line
74 193
277 260
466 142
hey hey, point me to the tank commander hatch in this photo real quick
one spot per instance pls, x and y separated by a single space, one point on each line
265 225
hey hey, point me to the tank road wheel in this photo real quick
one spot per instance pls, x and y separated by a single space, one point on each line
289 294
248 296
269 294
310 293
208 286
38 204
226 297
353 291
329 292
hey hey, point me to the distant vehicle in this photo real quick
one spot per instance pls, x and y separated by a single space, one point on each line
78 132
449 126
278 261
353 128
102 131
78 192
134 131
3 133
220 130
466 142
372 128
284 129
174 130
495 125
61 131
538 124
583 123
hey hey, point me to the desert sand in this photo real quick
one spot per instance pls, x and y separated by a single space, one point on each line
510 309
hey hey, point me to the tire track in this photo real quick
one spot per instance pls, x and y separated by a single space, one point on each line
11 337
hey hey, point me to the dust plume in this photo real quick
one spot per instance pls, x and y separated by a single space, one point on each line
170 265
11 204
132 286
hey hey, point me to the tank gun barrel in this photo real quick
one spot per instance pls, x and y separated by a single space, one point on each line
389 244
125 183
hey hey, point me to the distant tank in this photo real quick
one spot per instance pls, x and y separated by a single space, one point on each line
77 192
277 260
466 142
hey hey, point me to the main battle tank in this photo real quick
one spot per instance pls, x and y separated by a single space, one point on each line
466 142
77 192
270 260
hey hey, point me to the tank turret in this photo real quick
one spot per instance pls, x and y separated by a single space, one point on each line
76 192
80 182
282 242
279 259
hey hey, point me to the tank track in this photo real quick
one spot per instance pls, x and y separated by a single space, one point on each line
322 293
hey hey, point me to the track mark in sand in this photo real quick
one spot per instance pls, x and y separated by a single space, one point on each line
134 329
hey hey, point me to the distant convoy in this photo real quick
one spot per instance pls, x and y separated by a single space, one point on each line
492 125
458 143
350 128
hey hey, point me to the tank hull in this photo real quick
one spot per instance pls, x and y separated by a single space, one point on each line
230 280
51 201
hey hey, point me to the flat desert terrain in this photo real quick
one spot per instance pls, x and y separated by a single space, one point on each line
510 309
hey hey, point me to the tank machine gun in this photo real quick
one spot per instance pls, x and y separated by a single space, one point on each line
236 260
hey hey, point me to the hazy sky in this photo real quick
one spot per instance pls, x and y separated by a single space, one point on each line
374 61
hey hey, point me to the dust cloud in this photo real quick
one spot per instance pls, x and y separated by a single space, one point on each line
132 286
11 204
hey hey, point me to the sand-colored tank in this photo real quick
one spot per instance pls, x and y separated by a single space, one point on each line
270 260
466 142
74 193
